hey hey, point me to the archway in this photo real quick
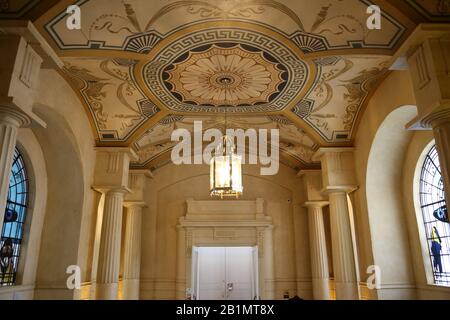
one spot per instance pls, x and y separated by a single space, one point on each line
61 231
390 243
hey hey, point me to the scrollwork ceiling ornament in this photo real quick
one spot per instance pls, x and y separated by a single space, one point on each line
327 31
294 143
142 67
111 82
341 81
91 89
357 90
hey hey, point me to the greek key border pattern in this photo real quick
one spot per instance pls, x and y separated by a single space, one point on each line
297 69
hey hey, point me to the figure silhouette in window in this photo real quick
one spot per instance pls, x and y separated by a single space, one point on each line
436 248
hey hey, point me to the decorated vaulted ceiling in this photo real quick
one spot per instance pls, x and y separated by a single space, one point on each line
144 67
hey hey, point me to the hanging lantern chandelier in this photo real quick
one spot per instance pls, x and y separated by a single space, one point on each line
226 169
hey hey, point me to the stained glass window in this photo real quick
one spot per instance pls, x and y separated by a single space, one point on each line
13 223
435 218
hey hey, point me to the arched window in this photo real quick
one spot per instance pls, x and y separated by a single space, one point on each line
13 223
435 218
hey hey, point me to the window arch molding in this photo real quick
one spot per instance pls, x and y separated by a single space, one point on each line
434 231
33 157
14 221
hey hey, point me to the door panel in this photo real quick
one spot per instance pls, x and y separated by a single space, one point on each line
239 273
211 273
226 273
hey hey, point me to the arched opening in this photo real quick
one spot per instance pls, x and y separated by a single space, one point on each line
385 207
432 217
13 227
65 201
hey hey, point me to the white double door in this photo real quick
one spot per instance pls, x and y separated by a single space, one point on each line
225 273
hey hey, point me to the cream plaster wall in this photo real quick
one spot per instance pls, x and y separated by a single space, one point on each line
381 232
166 195
68 147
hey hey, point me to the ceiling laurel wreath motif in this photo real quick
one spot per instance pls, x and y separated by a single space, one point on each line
308 68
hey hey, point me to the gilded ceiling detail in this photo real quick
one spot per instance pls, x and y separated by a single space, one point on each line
344 83
162 75
294 143
226 75
102 83
143 67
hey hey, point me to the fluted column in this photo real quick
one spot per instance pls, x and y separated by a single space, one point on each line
109 253
10 122
342 247
132 251
318 250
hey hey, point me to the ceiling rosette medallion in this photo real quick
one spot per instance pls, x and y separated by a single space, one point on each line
208 68
221 75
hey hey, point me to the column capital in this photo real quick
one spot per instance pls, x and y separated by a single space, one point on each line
137 180
14 117
112 166
312 181
130 204
338 167
111 189
315 204
439 116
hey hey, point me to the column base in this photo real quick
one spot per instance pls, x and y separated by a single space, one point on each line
346 291
321 289
130 289
106 291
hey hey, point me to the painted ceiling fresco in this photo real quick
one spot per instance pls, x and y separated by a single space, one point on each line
295 145
142 68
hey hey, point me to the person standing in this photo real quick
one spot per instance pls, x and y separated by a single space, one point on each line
436 248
